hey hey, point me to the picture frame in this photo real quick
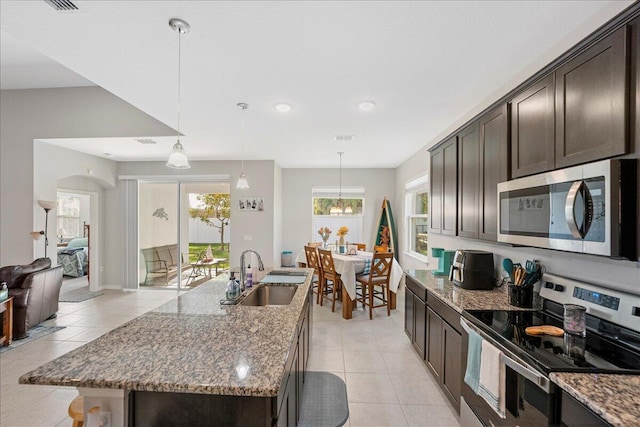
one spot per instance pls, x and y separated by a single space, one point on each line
251 204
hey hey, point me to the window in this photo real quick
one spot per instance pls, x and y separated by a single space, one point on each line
327 212
417 216
69 217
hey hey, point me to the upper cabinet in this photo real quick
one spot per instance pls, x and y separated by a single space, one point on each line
532 129
468 180
576 114
443 206
592 103
494 168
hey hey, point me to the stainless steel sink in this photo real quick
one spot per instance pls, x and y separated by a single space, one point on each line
270 295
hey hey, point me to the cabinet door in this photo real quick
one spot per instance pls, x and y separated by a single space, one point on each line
452 364
494 168
532 129
468 180
434 344
591 103
450 187
420 326
408 313
435 208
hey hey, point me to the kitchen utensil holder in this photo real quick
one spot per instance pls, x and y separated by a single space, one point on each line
521 296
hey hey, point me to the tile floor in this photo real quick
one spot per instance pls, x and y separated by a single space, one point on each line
387 383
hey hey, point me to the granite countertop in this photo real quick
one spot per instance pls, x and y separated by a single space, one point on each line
462 299
189 345
613 397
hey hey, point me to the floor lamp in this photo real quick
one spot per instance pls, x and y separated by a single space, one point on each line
47 205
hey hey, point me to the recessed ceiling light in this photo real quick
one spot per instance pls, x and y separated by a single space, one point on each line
366 105
146 141
282 107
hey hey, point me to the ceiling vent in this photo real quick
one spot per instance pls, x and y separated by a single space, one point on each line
343 138
62 5
146 141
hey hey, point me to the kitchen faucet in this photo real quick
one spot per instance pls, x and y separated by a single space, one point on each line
242 266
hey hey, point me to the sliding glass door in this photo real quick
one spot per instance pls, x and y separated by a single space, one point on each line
183 233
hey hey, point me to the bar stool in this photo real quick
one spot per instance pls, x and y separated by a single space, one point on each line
76 411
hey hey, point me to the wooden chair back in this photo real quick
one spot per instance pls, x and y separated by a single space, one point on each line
327 266
361 246
312 258
381 267
314 244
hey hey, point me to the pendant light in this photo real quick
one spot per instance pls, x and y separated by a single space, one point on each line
242 181
337 208
178 157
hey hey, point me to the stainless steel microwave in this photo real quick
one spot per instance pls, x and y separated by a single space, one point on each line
588 209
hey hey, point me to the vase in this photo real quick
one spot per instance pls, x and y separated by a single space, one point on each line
324 243
341 244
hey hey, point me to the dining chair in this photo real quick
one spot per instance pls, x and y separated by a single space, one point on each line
329 274
312 262
314 244
378 277
361 246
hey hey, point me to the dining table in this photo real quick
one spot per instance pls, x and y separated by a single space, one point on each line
349 265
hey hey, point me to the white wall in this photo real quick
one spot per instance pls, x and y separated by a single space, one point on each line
277 215
297 200
153 230
27 115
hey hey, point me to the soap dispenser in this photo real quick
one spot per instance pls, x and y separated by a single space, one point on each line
249 282
233 288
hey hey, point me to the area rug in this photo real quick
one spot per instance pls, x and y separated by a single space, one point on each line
78 295
324 401
34 333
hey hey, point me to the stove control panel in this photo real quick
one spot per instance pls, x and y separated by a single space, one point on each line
609 304
599 298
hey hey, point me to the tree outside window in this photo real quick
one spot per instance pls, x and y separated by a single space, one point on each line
215 212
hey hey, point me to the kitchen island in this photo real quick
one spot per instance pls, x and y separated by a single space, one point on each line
193 361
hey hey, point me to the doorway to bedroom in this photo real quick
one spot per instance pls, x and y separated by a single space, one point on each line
73 240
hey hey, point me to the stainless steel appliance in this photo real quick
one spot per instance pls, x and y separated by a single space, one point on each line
472 269
588 209
612 344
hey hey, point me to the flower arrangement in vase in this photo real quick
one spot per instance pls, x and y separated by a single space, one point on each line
342 231
324 233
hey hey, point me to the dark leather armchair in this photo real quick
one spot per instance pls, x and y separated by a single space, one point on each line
35 289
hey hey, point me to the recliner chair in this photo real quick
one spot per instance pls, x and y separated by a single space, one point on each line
35 289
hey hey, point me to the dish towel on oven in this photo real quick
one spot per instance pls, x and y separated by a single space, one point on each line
472 375
492 378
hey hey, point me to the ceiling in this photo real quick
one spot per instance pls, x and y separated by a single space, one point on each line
426 65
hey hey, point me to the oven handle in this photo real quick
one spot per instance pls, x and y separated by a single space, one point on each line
536 378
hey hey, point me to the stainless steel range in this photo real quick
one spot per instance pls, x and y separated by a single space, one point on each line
611 345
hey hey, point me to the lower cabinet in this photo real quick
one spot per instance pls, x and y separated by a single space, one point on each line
415 312
434 330
291 398
574 413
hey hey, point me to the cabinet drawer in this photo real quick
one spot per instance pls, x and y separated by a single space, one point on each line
415 287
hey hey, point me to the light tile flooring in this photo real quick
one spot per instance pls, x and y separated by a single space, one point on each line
387 383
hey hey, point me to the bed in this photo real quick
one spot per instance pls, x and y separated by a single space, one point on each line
74 258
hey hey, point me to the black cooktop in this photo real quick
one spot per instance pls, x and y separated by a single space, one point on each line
597 353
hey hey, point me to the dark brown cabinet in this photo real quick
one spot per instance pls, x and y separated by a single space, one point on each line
532 129
434 331
468 182
575 414
494 168
434 344
591 102
415 316
444 170
452 363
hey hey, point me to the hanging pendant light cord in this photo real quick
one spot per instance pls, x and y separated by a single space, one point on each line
340 182
179 78
244 107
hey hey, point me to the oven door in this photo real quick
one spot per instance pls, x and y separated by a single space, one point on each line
529 395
